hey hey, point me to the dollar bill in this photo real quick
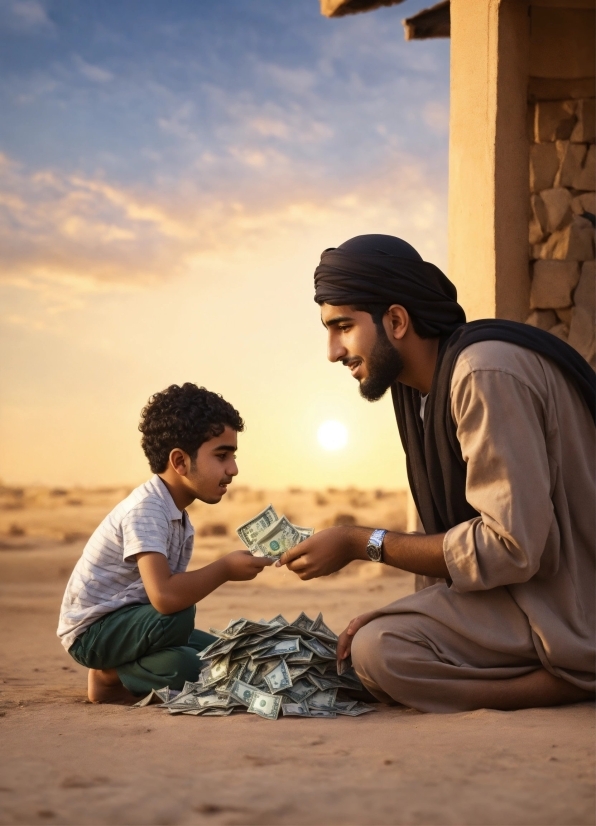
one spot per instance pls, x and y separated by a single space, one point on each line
265 705
216 671
321 712
295 710
268 534
155 697
289 646
279 679
280 537
279 620
319 629
354 711
323 699
318 648
304 533
303 622
250 531
242 692
301 690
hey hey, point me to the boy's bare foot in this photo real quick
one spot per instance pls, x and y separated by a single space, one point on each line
104 686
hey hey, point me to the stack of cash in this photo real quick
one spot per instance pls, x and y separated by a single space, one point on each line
267 667
268 534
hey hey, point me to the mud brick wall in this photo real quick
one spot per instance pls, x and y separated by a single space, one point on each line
562 212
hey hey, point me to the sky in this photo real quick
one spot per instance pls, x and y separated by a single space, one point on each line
169 174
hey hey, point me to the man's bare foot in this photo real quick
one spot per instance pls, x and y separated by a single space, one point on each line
104 686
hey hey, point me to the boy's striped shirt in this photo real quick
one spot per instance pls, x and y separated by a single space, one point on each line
105 578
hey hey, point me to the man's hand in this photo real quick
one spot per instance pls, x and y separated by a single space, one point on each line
344 643
324 553
242 565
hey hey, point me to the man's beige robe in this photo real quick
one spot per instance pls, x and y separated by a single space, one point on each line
523 572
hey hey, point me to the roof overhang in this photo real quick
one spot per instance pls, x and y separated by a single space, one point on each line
338 8
432 22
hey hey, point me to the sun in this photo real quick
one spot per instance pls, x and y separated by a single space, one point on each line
332 435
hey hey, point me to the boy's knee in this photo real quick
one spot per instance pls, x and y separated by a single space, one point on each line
177 628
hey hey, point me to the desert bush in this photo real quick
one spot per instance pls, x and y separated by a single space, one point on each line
214 529
16 530
320 500
346 519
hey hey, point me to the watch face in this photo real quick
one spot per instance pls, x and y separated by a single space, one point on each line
374 552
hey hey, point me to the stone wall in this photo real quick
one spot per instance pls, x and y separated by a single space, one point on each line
562 121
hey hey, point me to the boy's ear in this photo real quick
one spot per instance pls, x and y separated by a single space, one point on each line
180 461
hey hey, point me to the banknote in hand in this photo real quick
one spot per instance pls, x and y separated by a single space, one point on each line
270 535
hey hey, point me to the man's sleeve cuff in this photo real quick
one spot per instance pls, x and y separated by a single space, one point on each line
459 550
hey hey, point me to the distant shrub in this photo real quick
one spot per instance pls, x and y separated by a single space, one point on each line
74 536
74 502
346 519
320 500
58 492
16 530
214 529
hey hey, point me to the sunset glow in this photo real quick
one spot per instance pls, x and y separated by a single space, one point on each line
167 189
332 435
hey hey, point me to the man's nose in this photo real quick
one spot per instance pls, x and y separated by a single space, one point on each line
335 350
232 468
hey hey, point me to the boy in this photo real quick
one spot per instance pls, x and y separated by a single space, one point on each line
129 607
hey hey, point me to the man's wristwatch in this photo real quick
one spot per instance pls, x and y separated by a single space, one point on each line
374 549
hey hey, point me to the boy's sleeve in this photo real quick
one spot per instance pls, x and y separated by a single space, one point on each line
146 528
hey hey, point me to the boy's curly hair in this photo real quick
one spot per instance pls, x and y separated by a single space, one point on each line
183 417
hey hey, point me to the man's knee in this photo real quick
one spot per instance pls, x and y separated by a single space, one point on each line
387 652
368 646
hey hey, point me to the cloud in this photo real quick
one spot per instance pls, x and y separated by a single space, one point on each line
88 235
435 114
25 16
94 73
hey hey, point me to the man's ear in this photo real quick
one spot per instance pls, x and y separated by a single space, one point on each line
398 320
180 461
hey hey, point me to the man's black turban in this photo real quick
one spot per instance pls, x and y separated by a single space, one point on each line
383 270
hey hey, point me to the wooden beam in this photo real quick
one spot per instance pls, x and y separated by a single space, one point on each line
433 22
338 8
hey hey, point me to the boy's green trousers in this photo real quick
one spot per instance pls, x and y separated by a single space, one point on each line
147 649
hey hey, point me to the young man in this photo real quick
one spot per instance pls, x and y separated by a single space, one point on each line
497 422
129 607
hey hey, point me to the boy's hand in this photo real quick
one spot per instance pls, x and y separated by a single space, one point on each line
242 565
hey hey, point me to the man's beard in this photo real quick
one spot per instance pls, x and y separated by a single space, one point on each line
384 366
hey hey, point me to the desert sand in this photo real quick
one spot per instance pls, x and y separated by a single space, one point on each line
64 760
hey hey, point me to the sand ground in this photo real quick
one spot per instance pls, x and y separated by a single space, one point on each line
64 760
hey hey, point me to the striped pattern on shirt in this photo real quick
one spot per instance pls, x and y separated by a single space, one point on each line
105 578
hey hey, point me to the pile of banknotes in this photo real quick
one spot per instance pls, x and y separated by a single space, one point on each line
268 534
266 668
